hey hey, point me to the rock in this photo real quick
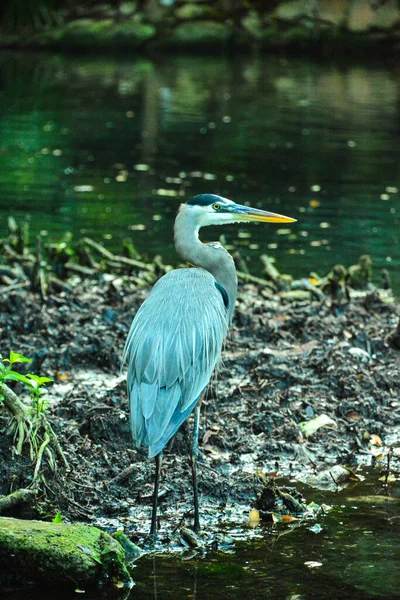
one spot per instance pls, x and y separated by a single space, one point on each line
291 11
359 276
363 18
127 9
334 478
191 12
360 17
200 34
387 17
59 555
87 33
333 12
253 24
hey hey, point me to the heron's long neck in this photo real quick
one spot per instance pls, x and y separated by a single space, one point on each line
219 263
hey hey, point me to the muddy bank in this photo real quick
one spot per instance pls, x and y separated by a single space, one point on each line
289 358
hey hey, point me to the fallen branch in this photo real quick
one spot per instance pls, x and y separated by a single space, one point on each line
246 278
16 499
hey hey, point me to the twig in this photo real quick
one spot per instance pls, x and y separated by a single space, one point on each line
14 286
246 278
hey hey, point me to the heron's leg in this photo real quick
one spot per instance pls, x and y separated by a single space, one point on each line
194 457
153 528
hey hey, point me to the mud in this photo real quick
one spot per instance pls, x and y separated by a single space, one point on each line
284 363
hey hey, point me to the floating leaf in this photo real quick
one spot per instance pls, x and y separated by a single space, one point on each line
81 189
388 479
254 517
276 518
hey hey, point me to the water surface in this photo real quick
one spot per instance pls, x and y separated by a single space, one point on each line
351 553
109 147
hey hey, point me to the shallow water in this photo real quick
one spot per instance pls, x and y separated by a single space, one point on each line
351 553
355 555
108 147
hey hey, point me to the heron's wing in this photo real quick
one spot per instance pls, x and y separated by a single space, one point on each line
172 348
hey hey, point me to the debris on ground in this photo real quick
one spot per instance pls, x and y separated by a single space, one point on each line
307 381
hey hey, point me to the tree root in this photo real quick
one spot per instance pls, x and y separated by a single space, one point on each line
18 498
33 430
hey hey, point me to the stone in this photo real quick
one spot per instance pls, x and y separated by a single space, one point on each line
253 24
387 16
360 16
200 34
51 554
191 12
333 12
88 33
291 11
127 9
363 18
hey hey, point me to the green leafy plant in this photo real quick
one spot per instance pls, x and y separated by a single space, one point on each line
58 518
34 383
28 424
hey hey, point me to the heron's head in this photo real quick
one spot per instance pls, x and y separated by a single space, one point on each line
210 209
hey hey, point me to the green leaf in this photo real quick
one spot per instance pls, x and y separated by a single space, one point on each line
58 518
39 380
2 368
310 427
1 397
14 376
18 358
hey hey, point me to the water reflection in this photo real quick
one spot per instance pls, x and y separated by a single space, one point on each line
354 556
110 147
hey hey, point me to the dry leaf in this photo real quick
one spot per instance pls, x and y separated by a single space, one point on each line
375 440
254 517
389 479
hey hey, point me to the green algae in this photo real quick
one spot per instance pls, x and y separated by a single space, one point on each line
89 33
54 554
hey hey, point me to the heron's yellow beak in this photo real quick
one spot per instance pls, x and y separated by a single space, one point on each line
246 213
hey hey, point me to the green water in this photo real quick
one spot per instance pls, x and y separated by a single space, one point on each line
109 147
354 551
357 552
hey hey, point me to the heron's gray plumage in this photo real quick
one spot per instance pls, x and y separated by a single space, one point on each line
176 337
173 346
212 257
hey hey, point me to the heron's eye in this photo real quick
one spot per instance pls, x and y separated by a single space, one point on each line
216 206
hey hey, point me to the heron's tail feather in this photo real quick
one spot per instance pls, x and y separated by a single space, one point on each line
175 422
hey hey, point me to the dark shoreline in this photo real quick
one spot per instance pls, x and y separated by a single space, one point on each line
324 31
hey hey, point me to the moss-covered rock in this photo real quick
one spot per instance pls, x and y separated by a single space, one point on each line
51 554
192 12
199 35
88 33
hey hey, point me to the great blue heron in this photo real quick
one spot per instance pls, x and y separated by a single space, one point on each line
176 337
